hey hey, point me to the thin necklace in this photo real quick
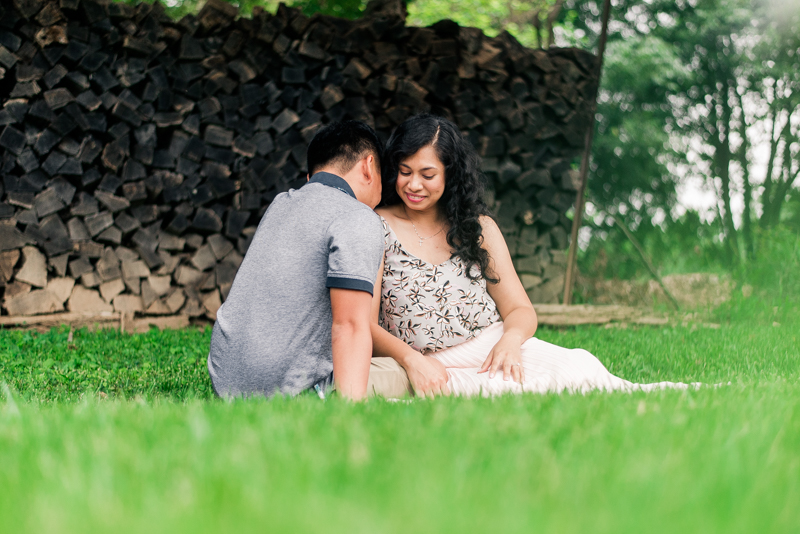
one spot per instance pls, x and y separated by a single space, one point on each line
421 239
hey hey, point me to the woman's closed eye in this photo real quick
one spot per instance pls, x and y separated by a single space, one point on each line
409 174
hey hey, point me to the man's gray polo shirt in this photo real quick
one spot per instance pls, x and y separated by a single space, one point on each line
273 333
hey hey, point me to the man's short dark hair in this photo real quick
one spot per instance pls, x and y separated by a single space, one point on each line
342 144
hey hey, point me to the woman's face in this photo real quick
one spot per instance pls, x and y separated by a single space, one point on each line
420 180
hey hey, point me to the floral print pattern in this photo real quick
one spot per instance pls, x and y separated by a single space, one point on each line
431 307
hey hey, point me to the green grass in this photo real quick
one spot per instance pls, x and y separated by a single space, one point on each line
49 367
121 433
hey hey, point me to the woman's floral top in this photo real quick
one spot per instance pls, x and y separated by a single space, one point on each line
431 307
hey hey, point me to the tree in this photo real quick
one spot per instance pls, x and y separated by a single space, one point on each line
778 84
741 64
632 155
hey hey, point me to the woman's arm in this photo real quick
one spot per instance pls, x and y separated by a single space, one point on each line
427 375
513 304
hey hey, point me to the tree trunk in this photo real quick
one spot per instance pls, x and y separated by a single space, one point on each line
773 151
725 173
778 188
744 161
551 18
537 25
789 176
722 163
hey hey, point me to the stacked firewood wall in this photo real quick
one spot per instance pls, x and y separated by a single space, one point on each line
139 153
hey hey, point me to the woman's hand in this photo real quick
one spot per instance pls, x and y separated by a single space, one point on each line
427 375
505 355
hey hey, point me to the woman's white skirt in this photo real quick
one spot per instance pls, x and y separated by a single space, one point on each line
548 368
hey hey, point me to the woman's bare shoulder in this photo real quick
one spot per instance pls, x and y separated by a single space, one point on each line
489 226
387 212
493 240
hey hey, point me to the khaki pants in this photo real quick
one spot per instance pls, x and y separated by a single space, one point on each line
387 378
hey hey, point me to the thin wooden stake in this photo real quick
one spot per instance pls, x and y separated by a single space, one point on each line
646 260
580 199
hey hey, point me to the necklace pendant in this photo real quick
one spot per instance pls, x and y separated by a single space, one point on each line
420 242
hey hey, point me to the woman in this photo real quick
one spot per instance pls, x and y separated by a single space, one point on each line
450 308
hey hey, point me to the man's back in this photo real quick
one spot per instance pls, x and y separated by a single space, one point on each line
273 333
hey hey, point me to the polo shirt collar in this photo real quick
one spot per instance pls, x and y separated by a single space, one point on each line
331 180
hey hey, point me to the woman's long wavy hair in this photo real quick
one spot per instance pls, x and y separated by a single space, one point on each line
462 201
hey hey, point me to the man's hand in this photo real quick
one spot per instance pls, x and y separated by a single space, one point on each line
427 375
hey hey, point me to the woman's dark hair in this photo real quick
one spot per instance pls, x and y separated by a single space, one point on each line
462 201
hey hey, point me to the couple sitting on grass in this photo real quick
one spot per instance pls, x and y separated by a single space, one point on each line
417 298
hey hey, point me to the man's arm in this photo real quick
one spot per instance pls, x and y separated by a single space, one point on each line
351 340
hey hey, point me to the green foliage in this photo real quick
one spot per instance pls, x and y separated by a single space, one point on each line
671 106
777 263
707 59
791 214
631 150
176 9
349 9
774 274
688 246
492 16
771 279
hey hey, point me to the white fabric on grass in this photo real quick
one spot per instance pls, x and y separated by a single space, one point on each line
548 368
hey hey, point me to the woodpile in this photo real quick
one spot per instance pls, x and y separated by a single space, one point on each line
139 153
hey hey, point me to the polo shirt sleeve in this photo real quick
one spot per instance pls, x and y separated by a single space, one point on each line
355 249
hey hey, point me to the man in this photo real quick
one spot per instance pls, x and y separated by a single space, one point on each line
297 316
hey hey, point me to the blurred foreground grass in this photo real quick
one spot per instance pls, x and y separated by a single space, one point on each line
118 432
721 460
